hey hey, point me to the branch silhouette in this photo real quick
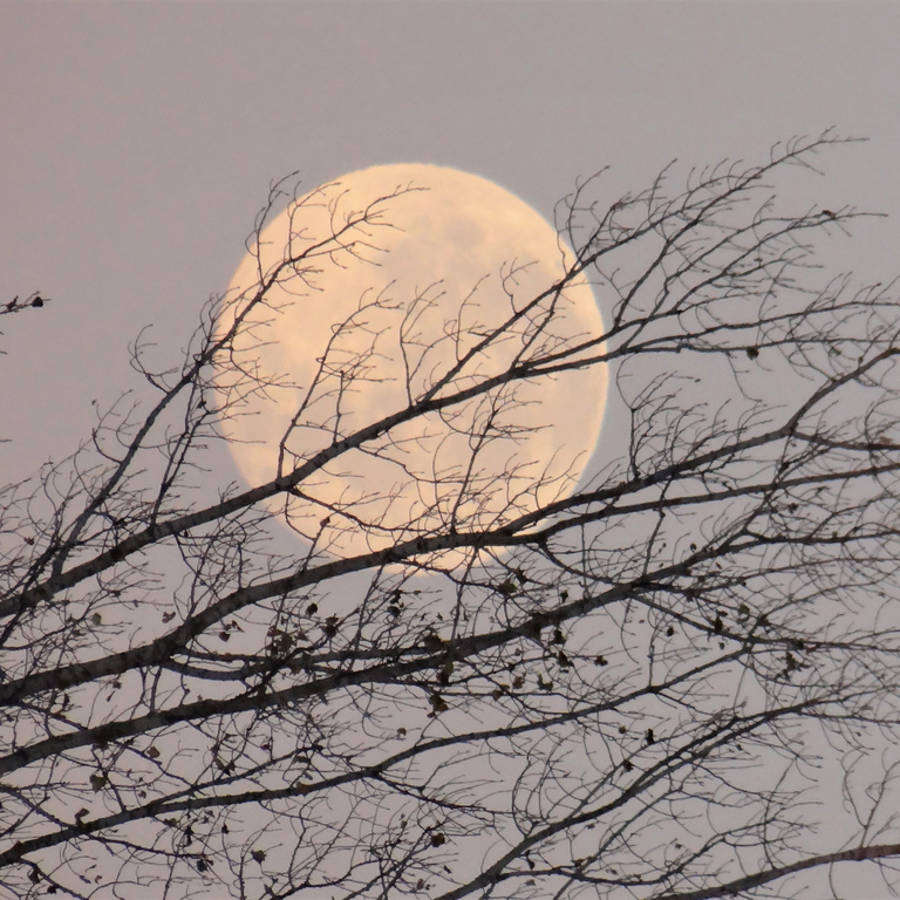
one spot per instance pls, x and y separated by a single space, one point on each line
646 683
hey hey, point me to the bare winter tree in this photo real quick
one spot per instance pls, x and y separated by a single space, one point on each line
680 681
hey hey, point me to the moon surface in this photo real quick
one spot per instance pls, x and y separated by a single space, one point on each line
388 286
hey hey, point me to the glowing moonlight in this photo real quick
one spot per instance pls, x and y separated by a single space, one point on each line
393 286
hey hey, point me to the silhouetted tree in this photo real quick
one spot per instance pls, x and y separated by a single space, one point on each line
679 681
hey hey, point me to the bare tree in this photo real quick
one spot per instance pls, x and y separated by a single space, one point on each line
663 685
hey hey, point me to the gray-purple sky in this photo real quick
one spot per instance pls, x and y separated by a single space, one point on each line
139 139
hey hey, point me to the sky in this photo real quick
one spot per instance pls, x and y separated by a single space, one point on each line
139 140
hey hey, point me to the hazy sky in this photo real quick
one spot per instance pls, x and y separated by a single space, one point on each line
139 139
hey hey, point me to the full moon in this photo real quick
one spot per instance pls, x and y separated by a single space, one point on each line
388 288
